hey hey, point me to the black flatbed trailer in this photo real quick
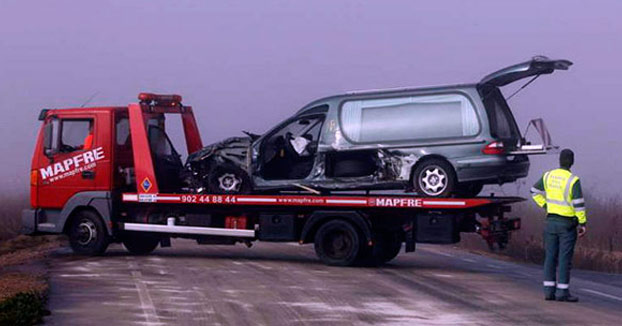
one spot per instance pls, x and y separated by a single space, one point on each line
346 229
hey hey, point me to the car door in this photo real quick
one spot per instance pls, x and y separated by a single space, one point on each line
289 151
497 107
73 157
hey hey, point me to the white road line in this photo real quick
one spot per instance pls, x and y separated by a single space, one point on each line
493 266
442 254
524 274
602 294
146 303
443 275
260 265
468 260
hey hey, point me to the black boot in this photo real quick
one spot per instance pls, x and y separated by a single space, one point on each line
567 297
549 293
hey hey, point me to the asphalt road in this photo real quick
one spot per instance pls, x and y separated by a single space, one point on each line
284 284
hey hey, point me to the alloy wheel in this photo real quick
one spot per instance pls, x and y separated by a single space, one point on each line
433 180
229 182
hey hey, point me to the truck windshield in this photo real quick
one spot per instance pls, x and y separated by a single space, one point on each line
502 123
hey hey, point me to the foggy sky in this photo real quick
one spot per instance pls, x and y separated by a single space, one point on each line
246 65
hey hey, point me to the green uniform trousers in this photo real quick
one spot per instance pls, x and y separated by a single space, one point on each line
560 236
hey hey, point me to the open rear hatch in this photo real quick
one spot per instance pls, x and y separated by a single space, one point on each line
497 106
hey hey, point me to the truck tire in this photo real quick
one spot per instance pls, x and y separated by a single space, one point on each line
391 250
338 243
386 246
434 178
140 243
87 234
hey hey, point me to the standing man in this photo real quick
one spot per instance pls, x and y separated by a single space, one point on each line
559 192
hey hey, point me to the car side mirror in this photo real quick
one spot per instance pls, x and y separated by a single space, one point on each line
50 138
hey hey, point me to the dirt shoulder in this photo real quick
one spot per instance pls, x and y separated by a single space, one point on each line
23 279
532 251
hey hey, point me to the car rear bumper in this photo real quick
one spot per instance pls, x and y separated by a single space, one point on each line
493 169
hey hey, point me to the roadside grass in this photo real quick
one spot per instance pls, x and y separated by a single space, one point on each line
23 285
10 213
600 249
23 282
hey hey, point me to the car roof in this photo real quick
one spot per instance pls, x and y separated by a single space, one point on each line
383 91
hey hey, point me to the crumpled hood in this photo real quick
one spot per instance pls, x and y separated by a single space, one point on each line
233 150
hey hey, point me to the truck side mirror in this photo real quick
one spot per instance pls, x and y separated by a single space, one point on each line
50 137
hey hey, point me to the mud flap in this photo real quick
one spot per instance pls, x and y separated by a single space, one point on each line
409 236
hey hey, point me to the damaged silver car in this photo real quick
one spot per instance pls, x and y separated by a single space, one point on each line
435 141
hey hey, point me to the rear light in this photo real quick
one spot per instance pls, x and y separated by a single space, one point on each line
494 148
34 177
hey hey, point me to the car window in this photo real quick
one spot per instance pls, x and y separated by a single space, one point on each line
123 131
409 118
76 134
502 123
159 142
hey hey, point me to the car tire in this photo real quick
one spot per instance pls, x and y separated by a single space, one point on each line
434 178
338 243
228 179
140 244
87 234
470 189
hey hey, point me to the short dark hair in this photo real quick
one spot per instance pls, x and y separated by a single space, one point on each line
566 158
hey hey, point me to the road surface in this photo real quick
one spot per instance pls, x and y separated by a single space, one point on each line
285 284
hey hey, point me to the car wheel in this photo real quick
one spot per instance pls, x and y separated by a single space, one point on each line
434 178
140 244
228 179
87 234
338 243
471 189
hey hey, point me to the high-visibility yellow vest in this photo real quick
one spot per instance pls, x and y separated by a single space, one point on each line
558 185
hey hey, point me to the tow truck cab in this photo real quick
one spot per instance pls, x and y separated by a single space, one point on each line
111 174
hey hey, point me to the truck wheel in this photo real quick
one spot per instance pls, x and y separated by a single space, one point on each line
434 178
87 234
392 249
228 179
139 243
338 243
386 247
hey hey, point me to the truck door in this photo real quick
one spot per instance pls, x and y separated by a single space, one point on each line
73 158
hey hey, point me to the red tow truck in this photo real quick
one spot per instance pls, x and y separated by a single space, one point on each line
104 174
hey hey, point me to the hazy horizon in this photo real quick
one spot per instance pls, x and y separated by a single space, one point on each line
248 65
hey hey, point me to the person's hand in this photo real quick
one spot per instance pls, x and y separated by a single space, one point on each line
582 230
